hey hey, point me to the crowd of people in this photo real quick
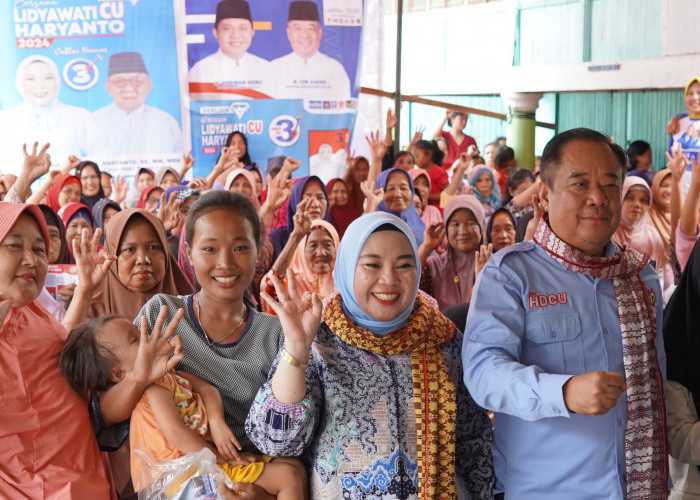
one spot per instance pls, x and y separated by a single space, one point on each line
435 324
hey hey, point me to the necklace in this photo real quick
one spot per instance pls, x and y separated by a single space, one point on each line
206 335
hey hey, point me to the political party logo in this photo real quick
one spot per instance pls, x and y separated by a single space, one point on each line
81 74
284 130
239 108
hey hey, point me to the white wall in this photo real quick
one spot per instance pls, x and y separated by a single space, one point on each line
469 50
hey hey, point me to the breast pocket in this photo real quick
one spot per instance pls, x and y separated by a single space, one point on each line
553 342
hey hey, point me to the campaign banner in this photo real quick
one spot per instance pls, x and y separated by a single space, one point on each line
688 138
282 72
95 78
60 276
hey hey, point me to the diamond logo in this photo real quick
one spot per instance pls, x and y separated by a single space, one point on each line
239 108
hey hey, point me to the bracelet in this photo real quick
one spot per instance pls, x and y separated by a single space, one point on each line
292 360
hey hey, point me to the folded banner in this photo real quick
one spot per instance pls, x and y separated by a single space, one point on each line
283 73
96 79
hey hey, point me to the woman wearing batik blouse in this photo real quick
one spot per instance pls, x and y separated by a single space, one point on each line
380 409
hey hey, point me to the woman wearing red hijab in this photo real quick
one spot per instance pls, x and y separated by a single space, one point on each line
67 189
343 211
47 446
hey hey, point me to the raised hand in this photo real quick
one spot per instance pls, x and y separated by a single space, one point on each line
187 162
695 172
229 158
290 165
482 256
459 167
350 157
377 146
169 213
198 184
434 234
300 316
374 196
472 151
71 162
120 187
92 265
417 136
391 119
677 162
153 359
302 220
278 191
35 163
539 206
52 177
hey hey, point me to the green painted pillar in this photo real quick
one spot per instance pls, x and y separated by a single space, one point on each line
520 133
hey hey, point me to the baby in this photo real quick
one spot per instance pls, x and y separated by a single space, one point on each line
177 414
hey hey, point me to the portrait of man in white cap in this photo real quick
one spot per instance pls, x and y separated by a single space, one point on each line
129 126
232 66
306 72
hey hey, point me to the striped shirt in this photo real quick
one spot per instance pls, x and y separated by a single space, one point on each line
237 369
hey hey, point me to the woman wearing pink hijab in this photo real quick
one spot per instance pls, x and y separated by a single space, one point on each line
636 228
449 277
421 181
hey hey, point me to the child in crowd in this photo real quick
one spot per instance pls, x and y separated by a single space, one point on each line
178 414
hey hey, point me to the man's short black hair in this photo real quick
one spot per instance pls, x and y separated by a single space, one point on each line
551 156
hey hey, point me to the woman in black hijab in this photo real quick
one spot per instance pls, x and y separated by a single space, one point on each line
57 237
681 328
91 179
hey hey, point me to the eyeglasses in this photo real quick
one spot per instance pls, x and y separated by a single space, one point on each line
134 81
152 199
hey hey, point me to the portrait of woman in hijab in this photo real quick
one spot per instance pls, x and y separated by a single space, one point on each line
42 117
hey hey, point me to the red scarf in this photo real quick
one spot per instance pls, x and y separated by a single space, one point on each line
645 435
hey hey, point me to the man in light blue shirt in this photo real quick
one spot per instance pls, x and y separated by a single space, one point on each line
544 341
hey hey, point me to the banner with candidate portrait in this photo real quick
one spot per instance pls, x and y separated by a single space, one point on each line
281 72
95 78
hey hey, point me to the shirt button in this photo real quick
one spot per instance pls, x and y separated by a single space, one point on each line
557 411
605 331
475 337
553 334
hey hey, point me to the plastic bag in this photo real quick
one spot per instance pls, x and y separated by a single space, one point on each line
194 476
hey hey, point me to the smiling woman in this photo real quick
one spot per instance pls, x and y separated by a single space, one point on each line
384 372
43 117
310 254
452 273
398 199
144 267
47 449
636 228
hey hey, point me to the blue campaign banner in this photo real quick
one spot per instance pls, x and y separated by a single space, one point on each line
96 78
282 72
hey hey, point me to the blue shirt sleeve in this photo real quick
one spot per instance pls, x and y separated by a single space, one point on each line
492 344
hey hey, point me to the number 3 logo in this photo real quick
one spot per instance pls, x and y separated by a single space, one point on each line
81 74
284 130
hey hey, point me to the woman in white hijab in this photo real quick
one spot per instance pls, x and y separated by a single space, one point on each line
41 117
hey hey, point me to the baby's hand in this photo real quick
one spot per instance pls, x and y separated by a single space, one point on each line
226 443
